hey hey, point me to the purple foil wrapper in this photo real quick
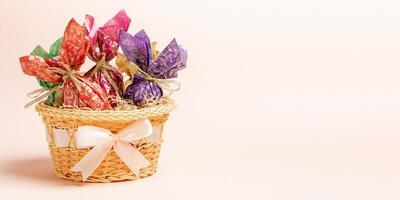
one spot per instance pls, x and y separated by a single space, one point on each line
138 50
142 91
169 62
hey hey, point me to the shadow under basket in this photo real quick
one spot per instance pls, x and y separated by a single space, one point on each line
111 168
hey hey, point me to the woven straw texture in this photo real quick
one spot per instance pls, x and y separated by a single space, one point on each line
112 168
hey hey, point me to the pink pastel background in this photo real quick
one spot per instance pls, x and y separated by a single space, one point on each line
280 100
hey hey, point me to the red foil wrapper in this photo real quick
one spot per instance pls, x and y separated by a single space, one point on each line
91 94
77 90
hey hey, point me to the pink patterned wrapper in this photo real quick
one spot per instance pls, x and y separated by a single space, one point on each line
103 47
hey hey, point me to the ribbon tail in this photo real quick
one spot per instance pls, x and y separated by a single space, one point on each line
156 136
92 160
131 156
110 80
37 99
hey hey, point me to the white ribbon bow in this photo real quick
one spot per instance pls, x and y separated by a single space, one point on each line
103 140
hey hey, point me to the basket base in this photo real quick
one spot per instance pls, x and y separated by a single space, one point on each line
106 179
111 169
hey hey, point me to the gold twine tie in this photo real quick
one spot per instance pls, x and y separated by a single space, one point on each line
40 94
67 74
131 69
104 66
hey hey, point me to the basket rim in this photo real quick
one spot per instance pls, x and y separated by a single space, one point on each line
163 108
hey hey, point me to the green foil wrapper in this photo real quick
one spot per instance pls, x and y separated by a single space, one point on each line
40 51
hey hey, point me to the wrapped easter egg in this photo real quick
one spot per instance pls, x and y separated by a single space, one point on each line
103 47
77 91
153 72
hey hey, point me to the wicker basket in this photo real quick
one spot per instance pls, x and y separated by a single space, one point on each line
112 168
